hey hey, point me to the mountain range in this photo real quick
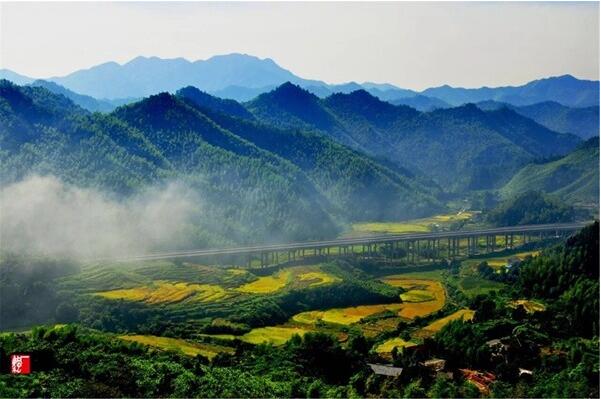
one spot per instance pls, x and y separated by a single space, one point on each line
243 77
258 183
583 122
462 148
290 164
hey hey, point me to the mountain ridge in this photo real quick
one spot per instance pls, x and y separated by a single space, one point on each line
242 76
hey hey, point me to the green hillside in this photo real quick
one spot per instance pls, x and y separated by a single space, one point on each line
574 177
583 122
461 148
248 194
256 183
359 187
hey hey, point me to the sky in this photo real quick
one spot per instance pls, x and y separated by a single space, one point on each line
411 45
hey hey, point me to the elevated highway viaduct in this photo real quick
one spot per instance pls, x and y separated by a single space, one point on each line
410 247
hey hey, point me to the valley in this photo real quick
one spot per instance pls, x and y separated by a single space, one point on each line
296 238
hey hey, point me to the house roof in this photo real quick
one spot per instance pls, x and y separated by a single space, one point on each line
385 369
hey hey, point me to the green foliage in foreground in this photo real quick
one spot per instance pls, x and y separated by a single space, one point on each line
76 362
558 344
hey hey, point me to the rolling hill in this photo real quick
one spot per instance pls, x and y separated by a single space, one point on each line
583 122
574 178
460 148
354 183
256 183
86 102
242 77
566 90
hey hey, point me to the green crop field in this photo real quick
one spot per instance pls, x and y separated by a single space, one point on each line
423 225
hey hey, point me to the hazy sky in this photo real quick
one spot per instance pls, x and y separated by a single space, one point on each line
413 45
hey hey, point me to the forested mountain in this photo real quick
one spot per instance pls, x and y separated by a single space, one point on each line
86 102
460 148
583 122
574 178
350 180
421 102
242 77
256 182
15 77
566 90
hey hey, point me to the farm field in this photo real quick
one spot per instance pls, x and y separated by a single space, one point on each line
267 284
272 335
530 305
419 288
431 296
160 292
423 225
221 285
388 345
497 262
434 327
178 345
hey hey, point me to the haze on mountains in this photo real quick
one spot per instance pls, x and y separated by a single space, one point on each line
256 183
243 77
460 148
287 165
583 122
573 178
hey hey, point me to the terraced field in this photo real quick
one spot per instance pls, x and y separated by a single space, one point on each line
388 345
138 284
431 295
419 288
272 335
267 284
318 278
436 326
160 292
179 345
344 316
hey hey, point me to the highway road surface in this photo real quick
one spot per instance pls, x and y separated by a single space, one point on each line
364 240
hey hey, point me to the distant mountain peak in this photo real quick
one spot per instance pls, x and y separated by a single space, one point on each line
290 90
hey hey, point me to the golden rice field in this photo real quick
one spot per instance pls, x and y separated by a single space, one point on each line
530 306
419 309
267 284
178 345
288 276
407 310
160 292
373 328
388 345
318 278
435 326
344 316
271 335
423 225
417 296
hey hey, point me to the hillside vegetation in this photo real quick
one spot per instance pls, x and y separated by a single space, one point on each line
460 148
574 178
531 207
255 183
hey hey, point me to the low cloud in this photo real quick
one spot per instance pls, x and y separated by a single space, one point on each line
42 215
